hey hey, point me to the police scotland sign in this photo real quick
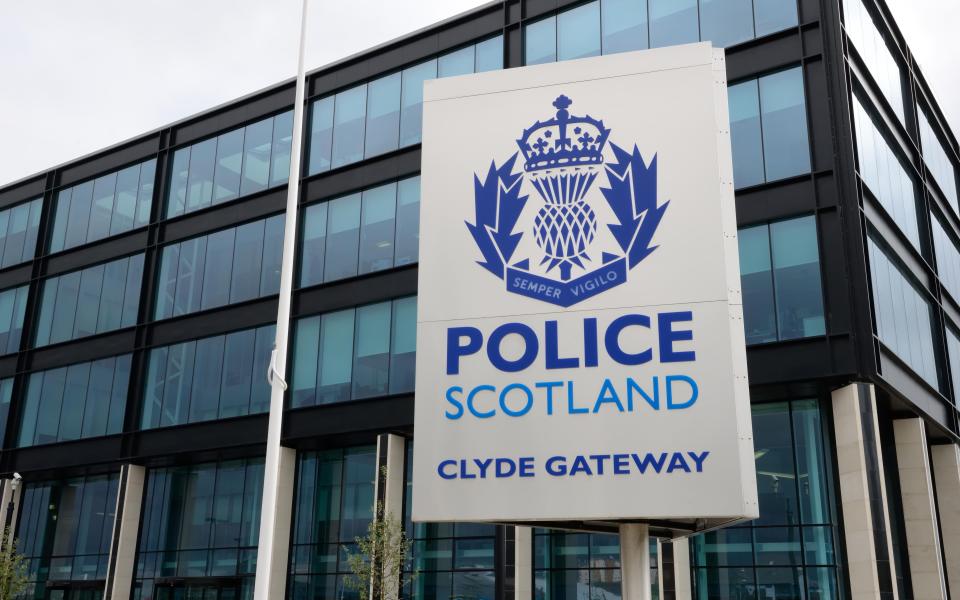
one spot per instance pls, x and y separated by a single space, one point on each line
580 348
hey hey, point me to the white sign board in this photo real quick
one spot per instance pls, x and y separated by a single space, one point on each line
580 347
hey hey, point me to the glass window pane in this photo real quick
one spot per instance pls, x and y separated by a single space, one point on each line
118 396
237 373
383 115
7 301
785 148
756 282
314 244
177 388
773 449
745 134
111 301
203 159
280 154
60 219
91 282
540 42
128 182
51 400
343 238
673 22
190 271
624 25
490 55
75 391
47 307
372 350
403 351
774 15
219 265
16 232
131 292
256 156
153 392
578 32
349 117
305 359
229 159
260 391
726 22
796 265
102 208
377 226
408 221
207 374
79 219
411 105
68 289
321 135
272 255
247 257
179 172
148 172
455 63
336 356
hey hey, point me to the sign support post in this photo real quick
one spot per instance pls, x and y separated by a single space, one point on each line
635 561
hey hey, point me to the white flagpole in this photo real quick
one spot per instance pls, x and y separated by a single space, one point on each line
271 573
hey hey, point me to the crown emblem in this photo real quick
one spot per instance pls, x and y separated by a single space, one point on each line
563 141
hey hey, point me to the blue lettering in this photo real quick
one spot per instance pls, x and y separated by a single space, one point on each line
649 461
634 386
463 471
599 458
503 400
530 350
443 465
526 466
456 403
607 394
553 468
455 349
472 395
549 385
580 466
503 464
621 464
483 464
694 392
590 342
677 462
553 349
668 336
698 459
573 410
612 340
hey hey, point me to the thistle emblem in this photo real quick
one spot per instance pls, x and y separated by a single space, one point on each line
563 157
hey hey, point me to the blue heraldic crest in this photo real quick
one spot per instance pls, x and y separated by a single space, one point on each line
562 158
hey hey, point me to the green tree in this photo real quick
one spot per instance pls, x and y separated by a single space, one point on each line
13 568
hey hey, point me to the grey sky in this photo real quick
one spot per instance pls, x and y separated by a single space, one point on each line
79 76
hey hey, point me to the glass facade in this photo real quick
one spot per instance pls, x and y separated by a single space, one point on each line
334 506
387 113
211 378
199 531
904 320
6 395
780 280
110 204
953 359
789 552
609 26
80 401
451 560
884 173
13 306
228 266
64 531
19 227
234 164
768 128
948 258
937 160
94 300
361 233
876 55
355 353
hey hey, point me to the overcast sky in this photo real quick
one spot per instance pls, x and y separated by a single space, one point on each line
79 76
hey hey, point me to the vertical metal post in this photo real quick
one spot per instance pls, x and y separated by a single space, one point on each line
635 561
271 574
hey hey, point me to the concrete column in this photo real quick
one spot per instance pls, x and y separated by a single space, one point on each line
870 564
683 590
946 473
389 491
523 563
126 527
635 561
919 510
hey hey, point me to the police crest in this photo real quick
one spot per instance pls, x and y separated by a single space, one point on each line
578 259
